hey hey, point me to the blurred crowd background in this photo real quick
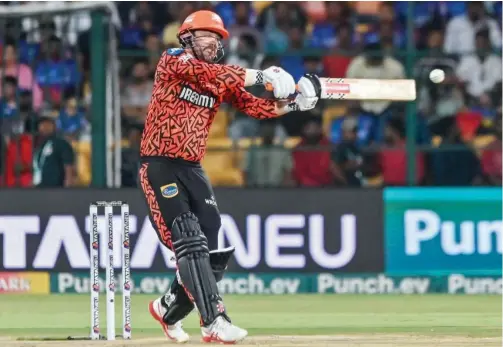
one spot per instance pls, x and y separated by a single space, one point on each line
455 127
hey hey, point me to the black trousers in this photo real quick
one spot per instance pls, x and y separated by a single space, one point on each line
172 187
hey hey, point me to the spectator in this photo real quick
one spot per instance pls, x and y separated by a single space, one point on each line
296 37
131 156
454 164
246 44
243 51
53 160
480 71
267 165
364 125
22 72
375 66
348 156
438 103
312 165
460 31
391 32
182 10
153 46
137 92
279 13
18 159
56 73
491 156
8 104
141 10
326 34
275 22
72 119
141 24
337 63
392 160
18 116
391 38
242 15
435 59
28 118
313 65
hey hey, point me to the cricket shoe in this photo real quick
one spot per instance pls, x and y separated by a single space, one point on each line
221 331
173 332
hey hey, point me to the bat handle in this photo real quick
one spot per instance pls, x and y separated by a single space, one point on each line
269 88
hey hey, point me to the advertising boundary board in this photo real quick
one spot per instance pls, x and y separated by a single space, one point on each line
301 283
443 230
273 230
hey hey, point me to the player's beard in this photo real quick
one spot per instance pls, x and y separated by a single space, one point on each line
211 53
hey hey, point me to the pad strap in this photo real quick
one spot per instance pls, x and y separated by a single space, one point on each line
177 302
193 258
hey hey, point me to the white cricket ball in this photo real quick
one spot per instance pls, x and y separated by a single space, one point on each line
437 76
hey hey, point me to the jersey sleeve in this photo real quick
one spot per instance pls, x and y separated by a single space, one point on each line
215 78
251 105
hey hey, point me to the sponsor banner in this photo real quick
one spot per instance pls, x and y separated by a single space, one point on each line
24 282
312 230
295 283
443 230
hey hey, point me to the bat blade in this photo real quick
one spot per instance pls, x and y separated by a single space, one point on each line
367 89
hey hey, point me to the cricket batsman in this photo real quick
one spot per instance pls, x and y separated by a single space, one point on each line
189 87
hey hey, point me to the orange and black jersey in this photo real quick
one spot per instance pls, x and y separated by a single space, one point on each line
186 96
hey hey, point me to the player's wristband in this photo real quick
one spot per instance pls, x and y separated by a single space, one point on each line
289 107
253 77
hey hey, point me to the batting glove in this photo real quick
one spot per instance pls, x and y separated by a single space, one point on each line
309 88
282 82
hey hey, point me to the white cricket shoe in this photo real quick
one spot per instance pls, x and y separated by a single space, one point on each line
223 332
173 332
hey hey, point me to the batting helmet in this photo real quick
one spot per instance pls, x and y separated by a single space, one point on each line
204 20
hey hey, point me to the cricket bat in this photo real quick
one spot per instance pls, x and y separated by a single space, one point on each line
365 89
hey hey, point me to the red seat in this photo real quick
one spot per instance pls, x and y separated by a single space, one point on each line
468 122
336 65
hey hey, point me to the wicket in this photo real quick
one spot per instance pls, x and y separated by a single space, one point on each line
110 273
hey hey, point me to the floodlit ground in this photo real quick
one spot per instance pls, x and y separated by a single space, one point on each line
279 321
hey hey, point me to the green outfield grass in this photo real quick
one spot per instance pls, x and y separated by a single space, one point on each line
477 316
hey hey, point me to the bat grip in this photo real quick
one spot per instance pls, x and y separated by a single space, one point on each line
269 88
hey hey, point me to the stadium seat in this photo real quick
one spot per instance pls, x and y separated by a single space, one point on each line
258 6
244 144
375 181
219 163
482 141
83 162
220 124
291 142
436 141
468 123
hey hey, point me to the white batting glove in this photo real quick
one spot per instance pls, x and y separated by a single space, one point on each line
282 82
309 89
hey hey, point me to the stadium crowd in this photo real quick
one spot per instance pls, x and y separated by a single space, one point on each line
46 93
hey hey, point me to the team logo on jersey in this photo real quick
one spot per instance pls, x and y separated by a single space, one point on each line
195 98
169 190
175 51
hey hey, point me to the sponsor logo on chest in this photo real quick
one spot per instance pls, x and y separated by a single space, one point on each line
195 98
